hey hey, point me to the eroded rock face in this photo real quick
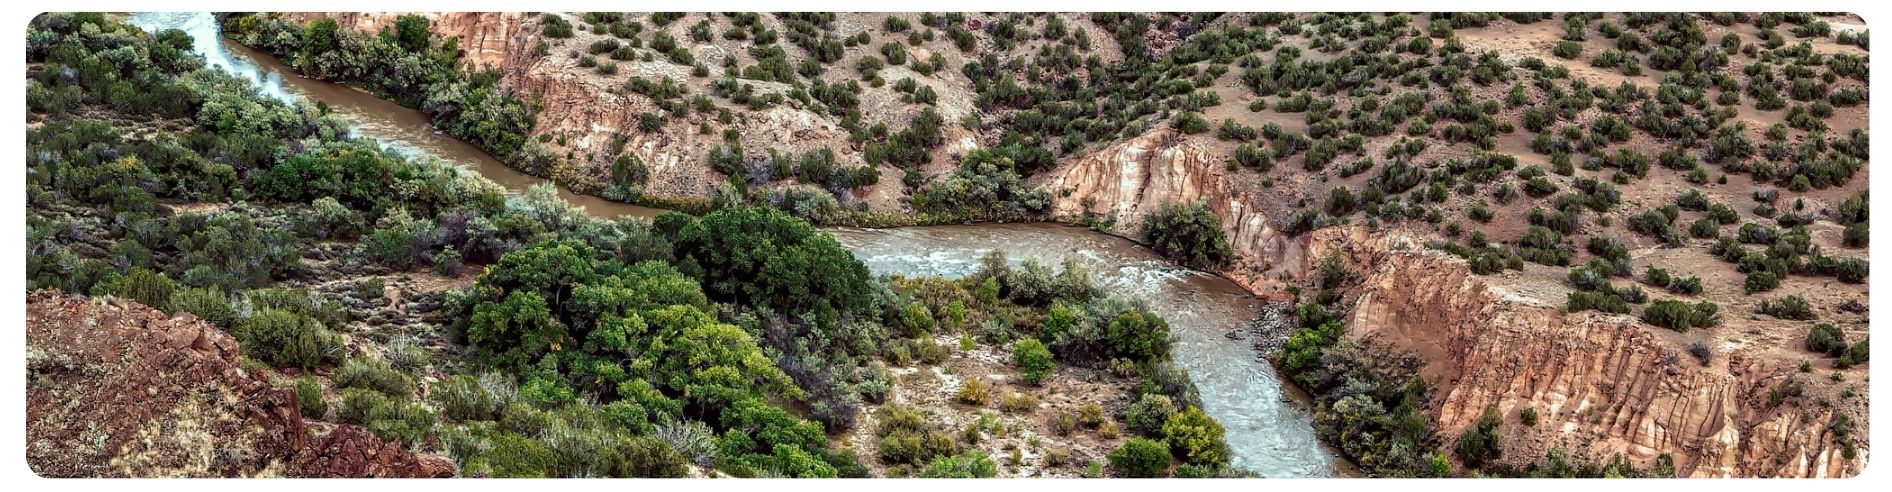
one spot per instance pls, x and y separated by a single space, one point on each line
117 389
1600 383
1133 178
486 37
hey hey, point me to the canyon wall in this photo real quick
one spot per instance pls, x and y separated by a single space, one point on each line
1598 382
1129 179
487 37
1601 384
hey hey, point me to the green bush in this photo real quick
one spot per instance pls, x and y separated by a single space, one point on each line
1138 335
1480 443
767 258
972 464
908 437
462 398
1033 360
1858 353
1196 438
309 398
1791 307
1148 415
145 286
1827 339
1680 316
1760 281
372 374
208 304
358 405
401 420
1191 123
287 339
1140 458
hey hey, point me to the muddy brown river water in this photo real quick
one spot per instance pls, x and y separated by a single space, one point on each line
1269 426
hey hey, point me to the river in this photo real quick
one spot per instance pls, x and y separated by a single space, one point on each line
1269 427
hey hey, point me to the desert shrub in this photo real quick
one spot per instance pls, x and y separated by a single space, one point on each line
1680 316
400 420
358 404
1760 281
972 464
1858 353
309 398
1791 307
1033 360
1147 416
1140 458
1480 443
907 438
1016 402
373 374
1827 339
145 286
1656 277
1195 438
463 398
1190 122
1700 350
1690 285
288 339
208 304
974 391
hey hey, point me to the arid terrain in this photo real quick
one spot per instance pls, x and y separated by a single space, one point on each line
1571 244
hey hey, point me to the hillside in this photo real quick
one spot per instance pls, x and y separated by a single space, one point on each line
1515 244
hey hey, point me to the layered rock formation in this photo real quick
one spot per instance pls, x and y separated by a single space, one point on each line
117 389
487 37
1130 179
1602 384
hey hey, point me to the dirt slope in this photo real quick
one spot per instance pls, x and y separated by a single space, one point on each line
117 389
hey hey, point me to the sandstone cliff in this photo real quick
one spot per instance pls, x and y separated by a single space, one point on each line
116 389
1599 383
487 37
1129 179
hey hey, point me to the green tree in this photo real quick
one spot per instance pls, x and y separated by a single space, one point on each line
320 36
411 33
1188 234
517 330
766 258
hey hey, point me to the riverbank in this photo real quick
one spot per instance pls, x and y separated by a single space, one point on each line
1269 433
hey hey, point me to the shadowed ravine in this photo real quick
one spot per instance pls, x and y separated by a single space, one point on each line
1268 425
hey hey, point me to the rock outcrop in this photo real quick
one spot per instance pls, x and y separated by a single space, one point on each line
1601 384
486 37
1133 178
117 389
